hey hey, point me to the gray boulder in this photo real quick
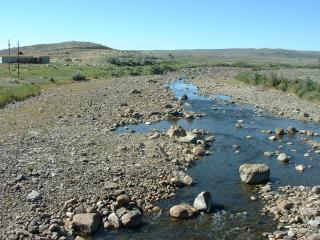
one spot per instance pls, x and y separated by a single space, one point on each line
84 224
203 202
254 173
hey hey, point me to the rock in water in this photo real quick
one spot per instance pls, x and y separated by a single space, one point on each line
300 167
254 173
132 218
279 132
292 130
183 211
84 224
203 202
114 220
187 180
283 157
198 151
184 97
176 131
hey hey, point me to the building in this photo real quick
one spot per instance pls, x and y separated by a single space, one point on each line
25 59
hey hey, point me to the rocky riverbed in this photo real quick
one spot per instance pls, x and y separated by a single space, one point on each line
296 209
62 146
64 168
220 80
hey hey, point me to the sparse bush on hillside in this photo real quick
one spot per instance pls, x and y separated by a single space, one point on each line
78 76
161 69
303 88
134 61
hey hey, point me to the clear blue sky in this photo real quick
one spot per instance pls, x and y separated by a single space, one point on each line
165 24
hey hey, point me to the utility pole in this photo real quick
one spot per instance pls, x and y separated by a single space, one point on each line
9 58
18 60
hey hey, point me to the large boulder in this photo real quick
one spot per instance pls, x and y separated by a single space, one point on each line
84 224
203 202
254 173
176 131
183 211
132 218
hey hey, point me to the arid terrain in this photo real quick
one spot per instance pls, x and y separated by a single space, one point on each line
61 154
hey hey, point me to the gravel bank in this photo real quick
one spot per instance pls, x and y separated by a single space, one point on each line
296 208
220 80
61 146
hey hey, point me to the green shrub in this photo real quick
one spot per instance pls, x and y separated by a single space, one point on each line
78 76
161 69
18 93
303 88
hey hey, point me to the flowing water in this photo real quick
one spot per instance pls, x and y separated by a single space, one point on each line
235 215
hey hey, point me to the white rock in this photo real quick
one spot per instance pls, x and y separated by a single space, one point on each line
300 167
283 157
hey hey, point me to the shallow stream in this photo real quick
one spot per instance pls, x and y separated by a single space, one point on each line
235 215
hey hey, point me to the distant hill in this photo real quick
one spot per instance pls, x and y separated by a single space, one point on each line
97 53
71 45
244 54
67 51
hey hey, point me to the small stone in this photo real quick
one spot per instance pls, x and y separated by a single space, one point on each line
123 199
300 167
107 225
314 236
279 132
187 180
132 219
310 133
156 209
114 220
253 198
268 154
284 205
283 157
316 189
33 196
292 130
198 151
176 131
183 211
184 97
121 211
